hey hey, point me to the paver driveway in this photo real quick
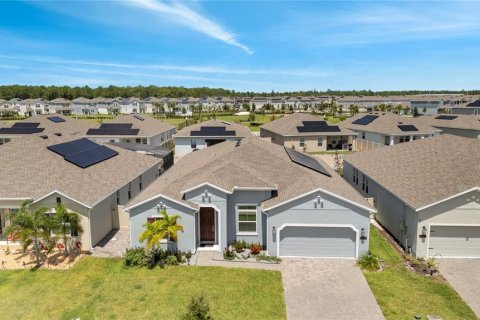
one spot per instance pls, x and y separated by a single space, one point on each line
327 289
464 276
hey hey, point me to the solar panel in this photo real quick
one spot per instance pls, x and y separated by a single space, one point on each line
306 161
56 119
138 117
83 152
212 131
319 129
363 121
407 127
476 103
25 125
115 125
445 117
314 123
113 132
20 130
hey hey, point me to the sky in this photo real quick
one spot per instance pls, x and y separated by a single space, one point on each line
242 45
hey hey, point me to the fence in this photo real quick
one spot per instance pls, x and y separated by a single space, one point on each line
362 145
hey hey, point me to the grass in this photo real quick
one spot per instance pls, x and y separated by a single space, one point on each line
105 289
402 294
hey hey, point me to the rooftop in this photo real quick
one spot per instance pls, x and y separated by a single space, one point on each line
455 121
148 127
240 130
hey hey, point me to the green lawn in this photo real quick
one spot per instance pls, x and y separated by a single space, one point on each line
105 289
403 294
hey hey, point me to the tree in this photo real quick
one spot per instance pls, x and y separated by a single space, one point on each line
198 309
67 222
184 110
165 227
424 110
415 112
30 225
337 163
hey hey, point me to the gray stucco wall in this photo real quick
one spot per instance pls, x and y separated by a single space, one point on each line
101 217
183 144
462 132
334 211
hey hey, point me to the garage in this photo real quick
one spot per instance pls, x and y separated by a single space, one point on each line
317 241
454 241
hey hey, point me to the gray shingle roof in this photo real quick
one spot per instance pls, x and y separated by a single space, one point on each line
240 130
253 164
468 122
71 127
30 170
424 171
148 127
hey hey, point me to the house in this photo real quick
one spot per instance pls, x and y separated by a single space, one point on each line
93 180
253 190
153 105
307 132
7 108
131 105
376 129
427 193
133 128
160 152
460 125
84 106
61 106
426 105
469 108
108 105
31 107
44 125
206 134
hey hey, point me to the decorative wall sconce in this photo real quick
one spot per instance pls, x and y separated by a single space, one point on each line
318 202
274 231
161 206
206 197
423 235
363 234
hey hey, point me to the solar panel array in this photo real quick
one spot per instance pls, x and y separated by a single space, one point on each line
317 126
83 152
22 128
212 132
138 117
114 129
306 161
314 123
445 117
363 121
475 103
56 119
407 127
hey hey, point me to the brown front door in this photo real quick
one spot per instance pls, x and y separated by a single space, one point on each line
207 224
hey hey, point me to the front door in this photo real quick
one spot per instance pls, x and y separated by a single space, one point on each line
207 225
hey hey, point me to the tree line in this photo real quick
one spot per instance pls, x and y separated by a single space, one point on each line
53 92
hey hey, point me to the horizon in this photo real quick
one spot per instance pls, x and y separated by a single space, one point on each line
278 46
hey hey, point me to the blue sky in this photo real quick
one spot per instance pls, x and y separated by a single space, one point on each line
243 45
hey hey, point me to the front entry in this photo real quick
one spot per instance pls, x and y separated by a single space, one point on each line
207 225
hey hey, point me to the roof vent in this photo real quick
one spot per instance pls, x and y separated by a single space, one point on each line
400 123
58 134
44 137
237 144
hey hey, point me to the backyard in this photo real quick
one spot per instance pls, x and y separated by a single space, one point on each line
94 285
402 294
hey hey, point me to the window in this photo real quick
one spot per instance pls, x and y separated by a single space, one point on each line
355 175
118 196
363 181
138 140
112 141
363 135
387 140
247 219
193 143
129 190
152 220
366 184
302 142
140 182
59 200
320 142
404 139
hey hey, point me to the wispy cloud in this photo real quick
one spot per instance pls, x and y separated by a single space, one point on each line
186 16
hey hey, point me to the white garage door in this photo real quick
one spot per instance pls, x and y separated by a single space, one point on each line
454 241
305 241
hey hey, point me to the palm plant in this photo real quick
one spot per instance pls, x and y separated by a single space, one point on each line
30 225
66 222
166 227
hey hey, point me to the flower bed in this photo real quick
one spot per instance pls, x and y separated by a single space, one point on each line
248 252
13 257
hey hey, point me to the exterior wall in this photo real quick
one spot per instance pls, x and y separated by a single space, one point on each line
103 217
334 211
468 111
139 215
161 138
462 132
464 209
183 144
393 213
430 106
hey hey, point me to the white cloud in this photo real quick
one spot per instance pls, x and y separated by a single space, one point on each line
184 15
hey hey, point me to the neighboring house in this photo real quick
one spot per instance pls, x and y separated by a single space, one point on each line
459 125
84 106
206 134
368 103
426 105
31 107
163 153
44 125
60 106
471 108
108 105
94 184
427 193
253 190
153 105
307 132
386 128
7 108
133 128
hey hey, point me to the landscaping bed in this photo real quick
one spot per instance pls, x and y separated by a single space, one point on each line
248 252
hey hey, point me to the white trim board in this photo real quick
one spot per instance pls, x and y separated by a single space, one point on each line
319 225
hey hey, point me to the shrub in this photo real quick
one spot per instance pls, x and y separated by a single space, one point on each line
369 262
136 257
264 257
255 248
414 262
188 256
198 309
228 254
171 261
239 246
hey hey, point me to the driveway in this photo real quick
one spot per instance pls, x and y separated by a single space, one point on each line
464 276
327 289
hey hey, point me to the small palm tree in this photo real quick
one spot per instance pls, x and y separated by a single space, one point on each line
66 222
30 225
166 227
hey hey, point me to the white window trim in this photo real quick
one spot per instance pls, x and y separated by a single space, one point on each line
244 233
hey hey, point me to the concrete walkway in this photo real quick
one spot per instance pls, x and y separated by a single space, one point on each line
327 289
464 276
113 245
